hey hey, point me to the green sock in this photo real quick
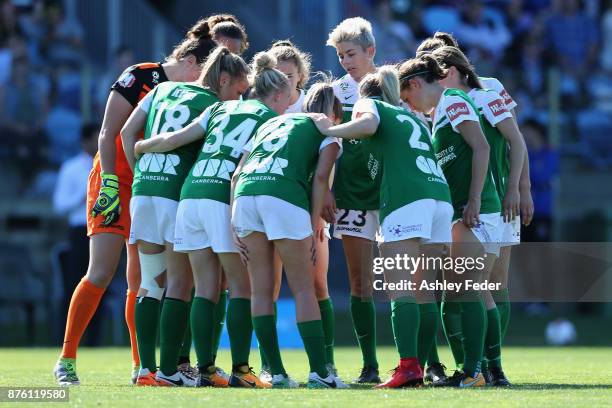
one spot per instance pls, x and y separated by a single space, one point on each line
219 321
451 322
184 355
428 328
363 313
432 357
265 330
240 329
502 300
312 336
262 356
147 319
405 322
492 350
474 323
174 318
329 328
202 327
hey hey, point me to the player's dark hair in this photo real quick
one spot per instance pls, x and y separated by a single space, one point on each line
285 51
439 39
222 60
265 79
321 99
424 66
453 57
383 83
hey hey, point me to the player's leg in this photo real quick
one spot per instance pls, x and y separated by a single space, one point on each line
359 253
132 273
174 318
104 253
265 374
326 306
184 361
405 317
299 268
219 315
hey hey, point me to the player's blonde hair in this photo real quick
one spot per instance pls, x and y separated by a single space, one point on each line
222 60
321 99
383 83
264 78
285 51
357 30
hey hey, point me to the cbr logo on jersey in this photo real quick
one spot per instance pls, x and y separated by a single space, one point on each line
429 166
214 167
498 107
457 109
159 163
126 80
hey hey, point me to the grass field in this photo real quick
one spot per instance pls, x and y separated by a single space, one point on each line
544 377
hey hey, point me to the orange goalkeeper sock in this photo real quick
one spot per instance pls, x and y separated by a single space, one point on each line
83 305
130 304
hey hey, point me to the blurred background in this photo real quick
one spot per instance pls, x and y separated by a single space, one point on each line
58 60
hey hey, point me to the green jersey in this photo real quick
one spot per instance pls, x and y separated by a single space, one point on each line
402 148
493 109
170 106
284 153
455 155
228 127
355 187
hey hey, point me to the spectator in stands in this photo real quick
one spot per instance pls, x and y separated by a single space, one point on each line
64 37
394 40
69 200
123 57
606 28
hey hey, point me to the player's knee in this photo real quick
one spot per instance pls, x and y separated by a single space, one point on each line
151 267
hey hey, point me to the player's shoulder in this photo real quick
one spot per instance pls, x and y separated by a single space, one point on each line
150 73
484 96
491 83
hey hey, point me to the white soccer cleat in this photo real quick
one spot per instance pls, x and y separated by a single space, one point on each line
177 379
331 381
283 381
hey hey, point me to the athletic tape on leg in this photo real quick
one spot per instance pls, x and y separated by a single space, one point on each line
151 266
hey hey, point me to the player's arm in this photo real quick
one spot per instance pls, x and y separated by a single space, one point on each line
526 205
472 134
117 110
512 134
129 134
320 184
361 127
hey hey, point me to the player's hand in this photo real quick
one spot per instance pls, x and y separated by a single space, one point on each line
138 151
322 122
242 248
107 204
328 212
471 212
511 205
526 205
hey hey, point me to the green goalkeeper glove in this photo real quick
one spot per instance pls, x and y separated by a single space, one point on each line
107 204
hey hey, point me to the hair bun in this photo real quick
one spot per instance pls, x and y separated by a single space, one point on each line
203 27
262 61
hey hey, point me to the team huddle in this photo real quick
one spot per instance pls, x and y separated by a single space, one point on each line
218 176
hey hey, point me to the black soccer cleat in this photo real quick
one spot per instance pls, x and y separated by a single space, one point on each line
497 378
435 372
369 375
452 381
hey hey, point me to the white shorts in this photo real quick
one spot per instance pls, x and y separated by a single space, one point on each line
153 219
487 232
276 218
203 223
510 232
357 223
427 219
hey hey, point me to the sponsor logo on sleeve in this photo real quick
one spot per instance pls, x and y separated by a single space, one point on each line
456 110
498 107
507 98
126 80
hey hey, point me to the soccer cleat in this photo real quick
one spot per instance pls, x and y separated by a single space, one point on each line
497 378
245 377
452 381
407 374
223 374
472 381
177 379
332 369
210 377
135 371
146 378
368 375
65 372
283 381
187 369
331 381
265 374
435 372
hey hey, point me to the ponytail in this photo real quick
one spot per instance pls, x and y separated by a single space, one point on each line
222 60
439 39
266 79
383 83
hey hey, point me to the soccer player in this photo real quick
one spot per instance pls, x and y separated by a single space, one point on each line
463 153
296 65
401 149
272 211
109 187
203 227
356 192
507 154
157 187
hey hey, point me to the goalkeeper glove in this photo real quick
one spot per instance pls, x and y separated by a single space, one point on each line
107 204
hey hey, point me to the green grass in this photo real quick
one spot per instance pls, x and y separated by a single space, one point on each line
541 376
